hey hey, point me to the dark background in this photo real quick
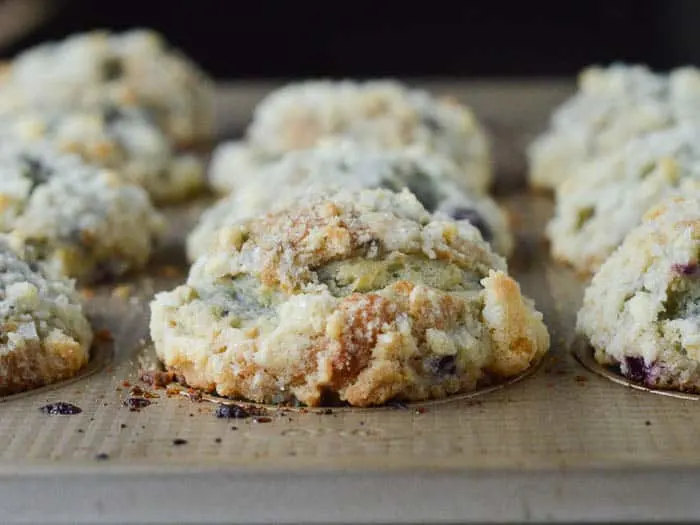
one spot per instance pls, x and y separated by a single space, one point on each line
287 39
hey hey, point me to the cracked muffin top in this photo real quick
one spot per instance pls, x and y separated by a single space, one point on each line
363 296
133 68
342 164
379 113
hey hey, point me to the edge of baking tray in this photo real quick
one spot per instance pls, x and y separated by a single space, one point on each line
145 469
221 495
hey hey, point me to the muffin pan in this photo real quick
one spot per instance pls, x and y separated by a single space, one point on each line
583 353
416 405
563 444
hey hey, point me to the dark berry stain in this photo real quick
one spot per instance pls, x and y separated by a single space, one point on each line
231 412
105 271
111 115
328 399
686 269
37 172
136 403
236 411
475 219
432 123
262 419
112 69
61 409
442 366
635 369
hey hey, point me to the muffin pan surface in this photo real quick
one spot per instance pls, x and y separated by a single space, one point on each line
559 444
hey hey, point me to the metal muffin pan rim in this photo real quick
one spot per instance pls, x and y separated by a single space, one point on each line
583 353
408 405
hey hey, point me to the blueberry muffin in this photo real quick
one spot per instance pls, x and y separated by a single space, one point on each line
134 68
641 312
122 139
76 220
605 198
612 105
382 114
334 165
45 334
360 297
235 163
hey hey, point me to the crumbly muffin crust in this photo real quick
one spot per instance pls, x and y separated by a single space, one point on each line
607 197
134 68
612 105
334 165
382 114
640 312
45 335
122 139
74 219
363 296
